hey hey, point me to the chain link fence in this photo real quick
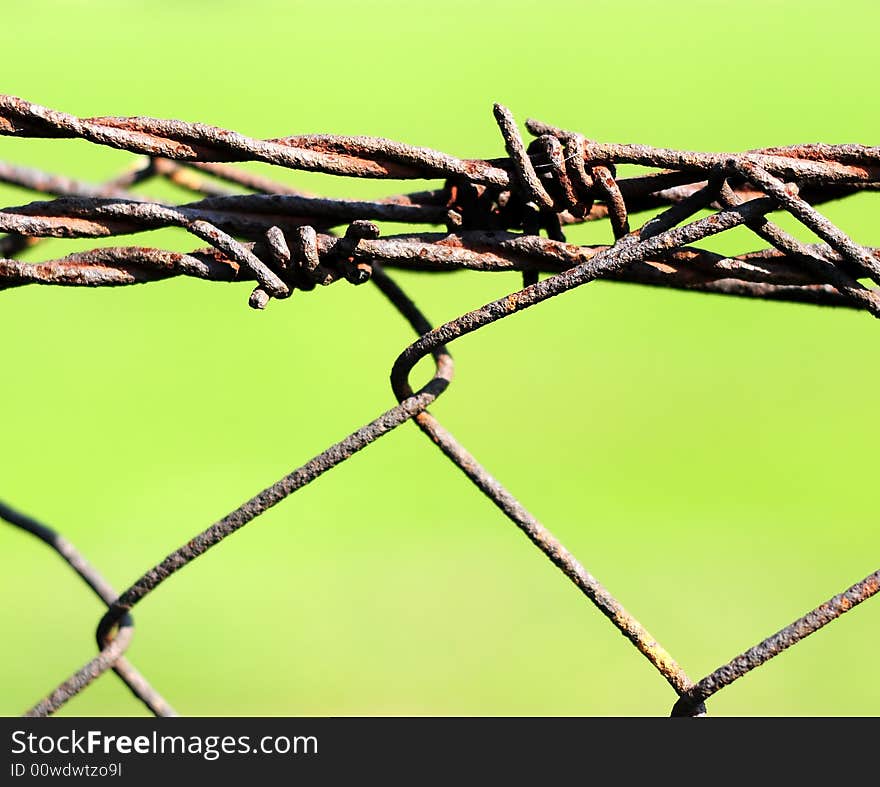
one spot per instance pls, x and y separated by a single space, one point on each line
501 214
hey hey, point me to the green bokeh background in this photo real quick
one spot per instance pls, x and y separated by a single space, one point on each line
708 459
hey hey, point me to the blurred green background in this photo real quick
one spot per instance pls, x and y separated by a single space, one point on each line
709 460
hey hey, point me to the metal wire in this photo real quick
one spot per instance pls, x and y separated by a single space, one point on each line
494 212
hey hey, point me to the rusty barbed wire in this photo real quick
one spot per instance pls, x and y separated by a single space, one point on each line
493 212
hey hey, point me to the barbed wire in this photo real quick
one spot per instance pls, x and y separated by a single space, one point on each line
494 212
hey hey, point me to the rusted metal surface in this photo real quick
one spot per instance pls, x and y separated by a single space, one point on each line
810 623
136 682
494 214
